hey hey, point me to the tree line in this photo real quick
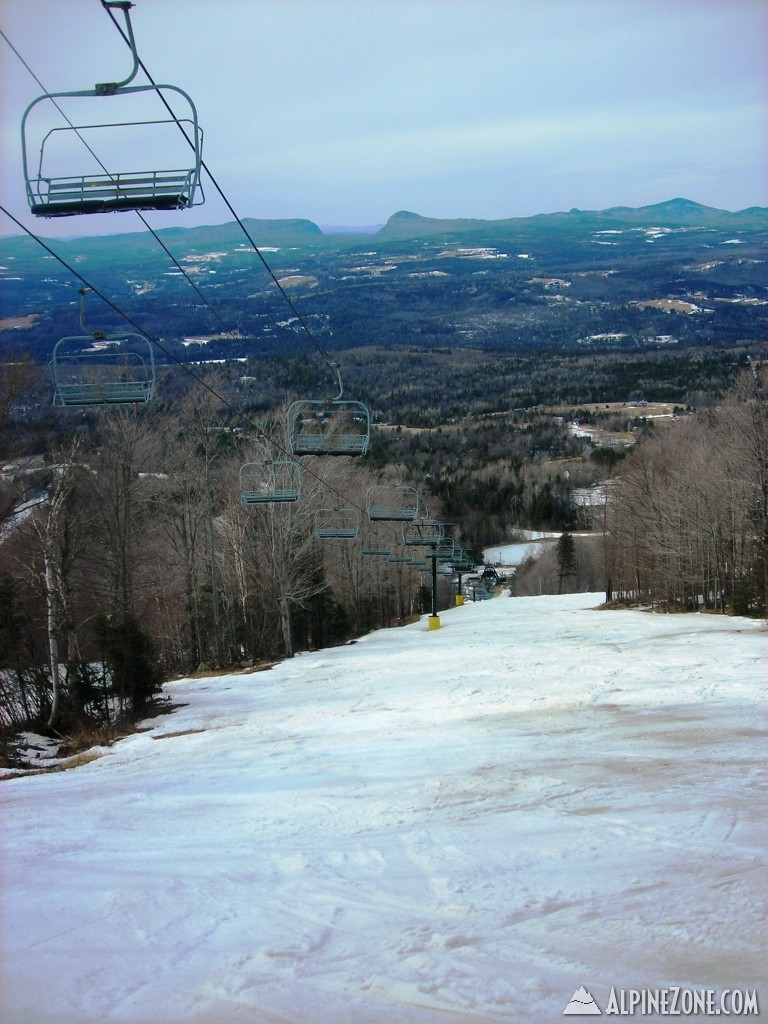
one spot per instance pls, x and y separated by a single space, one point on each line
686 517
681 523
127 556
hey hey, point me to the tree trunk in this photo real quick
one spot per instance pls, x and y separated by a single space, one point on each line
53 644
285 621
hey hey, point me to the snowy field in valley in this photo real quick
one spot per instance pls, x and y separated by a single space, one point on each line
463 825
511 555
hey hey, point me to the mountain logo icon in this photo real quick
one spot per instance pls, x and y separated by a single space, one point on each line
582 1003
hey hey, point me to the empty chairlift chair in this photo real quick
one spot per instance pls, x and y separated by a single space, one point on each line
266 482
397 503
443 555
422 564
337 523
463 563
444 552
329 427
103 369
375 548
422 533
376 540
159 164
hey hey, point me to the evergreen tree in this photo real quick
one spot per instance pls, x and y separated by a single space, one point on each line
130 657
566 559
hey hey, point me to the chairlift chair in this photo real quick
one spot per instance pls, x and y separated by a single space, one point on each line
398 503
445 550
329 427
53 190
265 482
463 563
422 532
337 523
373 543
103 369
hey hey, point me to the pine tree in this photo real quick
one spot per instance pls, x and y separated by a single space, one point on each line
566 559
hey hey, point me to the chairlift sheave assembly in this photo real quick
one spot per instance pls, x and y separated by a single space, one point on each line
101 368
266 482
65 183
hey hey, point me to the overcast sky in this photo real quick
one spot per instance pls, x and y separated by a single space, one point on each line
346 111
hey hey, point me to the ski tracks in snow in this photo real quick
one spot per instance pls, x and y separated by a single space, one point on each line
460 826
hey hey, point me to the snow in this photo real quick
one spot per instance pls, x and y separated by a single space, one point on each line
512 555
471 824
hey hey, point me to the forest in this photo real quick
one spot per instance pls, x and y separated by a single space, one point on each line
633 282
128 556
127 553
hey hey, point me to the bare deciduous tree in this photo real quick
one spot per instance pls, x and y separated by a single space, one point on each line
687 520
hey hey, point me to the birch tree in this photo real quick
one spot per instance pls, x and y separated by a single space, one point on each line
60 528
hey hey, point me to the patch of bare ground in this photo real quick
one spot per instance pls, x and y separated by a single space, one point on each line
10 323
179 732
75 761
215 673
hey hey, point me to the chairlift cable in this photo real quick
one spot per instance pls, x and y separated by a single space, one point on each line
138 63
106 171
107 5
349 503
325 356
175 359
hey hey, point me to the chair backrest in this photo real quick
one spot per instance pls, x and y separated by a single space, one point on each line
392 503
338 523
265 482
62 186
328 427
115 370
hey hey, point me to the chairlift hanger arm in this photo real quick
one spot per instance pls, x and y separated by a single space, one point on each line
337 370
110 88
96 334
202 165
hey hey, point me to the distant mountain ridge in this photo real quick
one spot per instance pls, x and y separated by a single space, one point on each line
614 280
672 213
406 225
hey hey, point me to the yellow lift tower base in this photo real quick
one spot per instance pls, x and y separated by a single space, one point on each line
459 600
434 622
